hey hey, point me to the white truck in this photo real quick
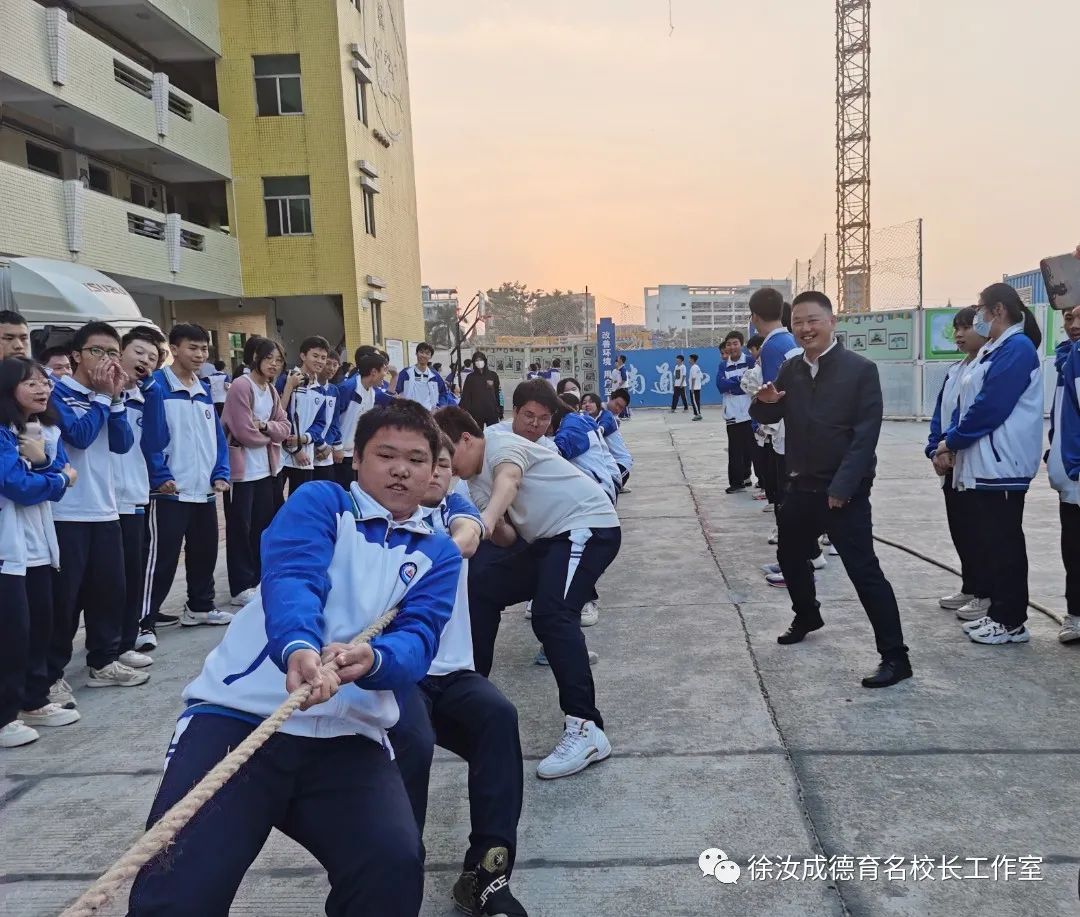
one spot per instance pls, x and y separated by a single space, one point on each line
56 297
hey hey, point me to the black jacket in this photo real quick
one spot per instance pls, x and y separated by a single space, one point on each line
831 423
480 396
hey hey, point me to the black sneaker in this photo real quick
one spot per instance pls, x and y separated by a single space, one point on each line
735 489
485 890
163 620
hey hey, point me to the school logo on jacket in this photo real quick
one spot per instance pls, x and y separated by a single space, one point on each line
407 573
207 413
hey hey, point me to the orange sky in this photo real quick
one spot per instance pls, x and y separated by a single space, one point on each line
572 143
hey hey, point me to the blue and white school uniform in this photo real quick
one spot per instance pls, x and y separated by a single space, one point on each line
332 405
307 415
1063 465
425 387
580 442
609 426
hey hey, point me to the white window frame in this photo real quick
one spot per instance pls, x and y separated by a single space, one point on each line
277 78
284 217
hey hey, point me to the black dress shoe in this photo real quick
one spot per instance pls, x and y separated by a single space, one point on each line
889 672
734 488
797 632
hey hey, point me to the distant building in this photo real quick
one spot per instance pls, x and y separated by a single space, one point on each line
704 308
435 299
1031 287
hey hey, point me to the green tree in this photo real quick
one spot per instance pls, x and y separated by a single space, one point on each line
439 332
557 313
509 309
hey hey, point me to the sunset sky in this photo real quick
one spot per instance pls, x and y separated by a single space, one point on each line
574 142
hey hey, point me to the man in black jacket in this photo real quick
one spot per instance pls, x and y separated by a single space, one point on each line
830 402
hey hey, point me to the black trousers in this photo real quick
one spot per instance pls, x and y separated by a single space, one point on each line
1070 555
775 474
301 786
25 628
695 400
679 393
559 574
464 713
133 535
958 514
295 477
193 526
249 509
324 473
91 577
740 440
279 489
344 473
802 518
996 518
757 454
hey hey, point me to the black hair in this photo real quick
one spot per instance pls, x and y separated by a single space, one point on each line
11 317
767 304
538 390
679 356
570 399
363 350
735 336
693 357
557 363
479 355
90 329
424 345
437 367
315 342
143 333
399 415
13 372
60 350
1005 295
219 365
261 349
565 383
755 341
367 363
785 316
594 398
814 296
621 356
965 318
188 331
620 393
455 422
467 364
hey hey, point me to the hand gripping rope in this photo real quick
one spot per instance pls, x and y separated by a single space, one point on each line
172 822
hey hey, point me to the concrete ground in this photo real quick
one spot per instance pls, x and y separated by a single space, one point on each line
722 738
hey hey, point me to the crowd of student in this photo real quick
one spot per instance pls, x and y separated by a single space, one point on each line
342 500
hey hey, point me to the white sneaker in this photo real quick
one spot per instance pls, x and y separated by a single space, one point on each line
61 695
977 624
117 675
134 660
955 601
147 640
528 610
17 733
774 538
973 610
582 743
776 579
819 562
832 552
768 508
770 568
995 633
590 614
541 658
214 616
1070 629
50 715
248 595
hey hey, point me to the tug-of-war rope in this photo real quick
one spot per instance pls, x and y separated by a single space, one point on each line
172 822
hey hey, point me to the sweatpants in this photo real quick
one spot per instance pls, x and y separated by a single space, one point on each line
25 627
133 535
757 454
249 509
464 713
294 477
344 473
1070 555
802 518
695 400
775 474
996 518
559 574
341 799
740 440
91 577
964 539
679 393
175 525
324 472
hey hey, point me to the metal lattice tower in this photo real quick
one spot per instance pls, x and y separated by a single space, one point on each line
853 153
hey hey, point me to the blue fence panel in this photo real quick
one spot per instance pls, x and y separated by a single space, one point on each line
649 374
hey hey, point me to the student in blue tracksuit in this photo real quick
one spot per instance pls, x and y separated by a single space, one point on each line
740 433
457 708
420 383
186 476
303 401
972 601
94 427
580 442
994 445
607 418
331 452
145 408
334 562
1063 466
359 394
34 473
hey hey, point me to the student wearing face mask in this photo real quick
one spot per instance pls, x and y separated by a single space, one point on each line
480 392
993 445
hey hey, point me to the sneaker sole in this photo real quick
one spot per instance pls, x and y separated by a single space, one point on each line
595 621
167 623
102 683
19 744
971 616
1068 638
38 724
204 623
1000 641
594 760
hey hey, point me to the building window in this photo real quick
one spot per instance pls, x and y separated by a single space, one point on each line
369 211
361 101
376 321
288 206
277 84
43 159
99 179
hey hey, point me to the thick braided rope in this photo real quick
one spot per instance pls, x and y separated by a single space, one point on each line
172 822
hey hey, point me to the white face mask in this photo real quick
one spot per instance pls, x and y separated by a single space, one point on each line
981 324
479 364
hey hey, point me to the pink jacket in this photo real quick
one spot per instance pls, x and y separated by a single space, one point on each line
241 432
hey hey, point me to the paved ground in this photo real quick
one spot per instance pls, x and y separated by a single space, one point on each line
722 738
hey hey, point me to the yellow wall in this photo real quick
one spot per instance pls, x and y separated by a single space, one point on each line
325 143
